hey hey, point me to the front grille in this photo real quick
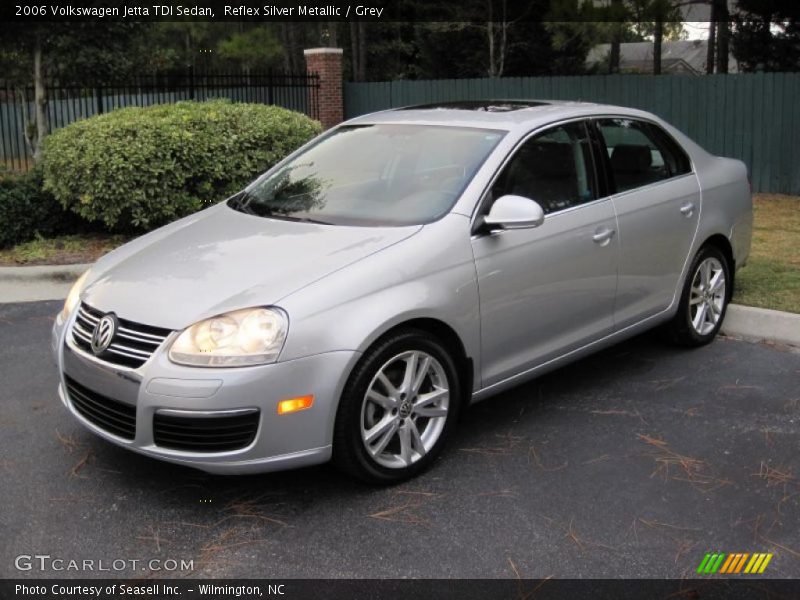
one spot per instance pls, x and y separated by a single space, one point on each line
205 434
115 417
132 345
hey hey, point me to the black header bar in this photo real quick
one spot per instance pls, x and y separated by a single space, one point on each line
498 11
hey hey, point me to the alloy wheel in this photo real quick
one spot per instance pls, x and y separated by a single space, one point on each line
707 296
405 409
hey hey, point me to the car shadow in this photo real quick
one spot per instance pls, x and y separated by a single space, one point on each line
186 486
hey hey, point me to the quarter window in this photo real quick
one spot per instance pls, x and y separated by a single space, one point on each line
641 153
553 168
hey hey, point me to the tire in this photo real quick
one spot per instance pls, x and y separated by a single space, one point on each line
688 327
384 417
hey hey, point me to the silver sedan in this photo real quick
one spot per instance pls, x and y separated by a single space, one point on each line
350 302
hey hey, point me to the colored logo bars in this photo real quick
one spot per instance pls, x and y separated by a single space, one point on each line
733 563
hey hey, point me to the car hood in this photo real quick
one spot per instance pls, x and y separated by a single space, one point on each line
221 260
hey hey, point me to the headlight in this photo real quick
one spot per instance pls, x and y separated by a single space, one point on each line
252 336
74 297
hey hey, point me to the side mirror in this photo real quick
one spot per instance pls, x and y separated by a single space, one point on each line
514 212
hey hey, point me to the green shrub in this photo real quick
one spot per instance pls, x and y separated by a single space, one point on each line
27 211
138 168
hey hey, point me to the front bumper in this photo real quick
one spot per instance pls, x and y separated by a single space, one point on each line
159 386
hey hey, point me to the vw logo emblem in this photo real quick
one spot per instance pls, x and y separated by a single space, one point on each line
103 333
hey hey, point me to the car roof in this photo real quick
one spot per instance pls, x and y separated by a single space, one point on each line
495 114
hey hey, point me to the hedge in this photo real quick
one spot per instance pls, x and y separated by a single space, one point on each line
27 211
139 168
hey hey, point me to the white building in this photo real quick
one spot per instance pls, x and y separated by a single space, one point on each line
677 57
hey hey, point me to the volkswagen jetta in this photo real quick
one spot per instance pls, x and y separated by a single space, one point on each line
350 302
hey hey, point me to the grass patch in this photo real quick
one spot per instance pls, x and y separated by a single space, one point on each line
63 250
771 278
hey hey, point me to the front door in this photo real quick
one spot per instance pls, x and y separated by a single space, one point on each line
547 290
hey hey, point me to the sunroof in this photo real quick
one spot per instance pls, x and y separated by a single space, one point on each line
480 105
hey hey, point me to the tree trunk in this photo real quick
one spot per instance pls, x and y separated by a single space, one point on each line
614 55
333 38
29 130
490 39
658 37
503 42
354 50
298 59
40 101
497 39
287 51
187 44
616 39
723 36
362 52
712 41
358 50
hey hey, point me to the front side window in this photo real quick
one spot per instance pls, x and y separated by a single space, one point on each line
373 175
640 153
553 168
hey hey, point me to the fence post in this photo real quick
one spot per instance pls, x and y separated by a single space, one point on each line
191 82
270 87
327 64
98 94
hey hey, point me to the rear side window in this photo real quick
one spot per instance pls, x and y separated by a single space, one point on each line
641 153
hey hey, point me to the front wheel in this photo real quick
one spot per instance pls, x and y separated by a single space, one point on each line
704 299
397 409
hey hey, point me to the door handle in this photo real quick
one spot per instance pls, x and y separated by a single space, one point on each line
603 236
687 209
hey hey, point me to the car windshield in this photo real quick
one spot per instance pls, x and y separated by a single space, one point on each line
373 175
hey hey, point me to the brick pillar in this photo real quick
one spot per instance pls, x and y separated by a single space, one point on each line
327 63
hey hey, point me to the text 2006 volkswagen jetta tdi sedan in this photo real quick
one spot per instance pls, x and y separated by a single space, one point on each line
351 301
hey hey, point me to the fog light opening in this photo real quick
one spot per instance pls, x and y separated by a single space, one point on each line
294 404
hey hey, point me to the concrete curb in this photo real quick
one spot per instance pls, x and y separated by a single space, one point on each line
41 282
762 324
52 282
53 272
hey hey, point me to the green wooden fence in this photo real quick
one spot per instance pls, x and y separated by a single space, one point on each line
753 117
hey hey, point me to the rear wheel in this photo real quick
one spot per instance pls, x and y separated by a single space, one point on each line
704 299
397 409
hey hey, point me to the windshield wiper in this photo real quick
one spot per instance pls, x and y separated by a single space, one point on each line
241 202
292 218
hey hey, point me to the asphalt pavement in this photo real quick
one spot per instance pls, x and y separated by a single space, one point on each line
632 463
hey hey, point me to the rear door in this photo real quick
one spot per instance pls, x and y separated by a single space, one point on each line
550 289
657 202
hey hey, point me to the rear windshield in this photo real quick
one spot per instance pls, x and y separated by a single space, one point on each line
373 175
